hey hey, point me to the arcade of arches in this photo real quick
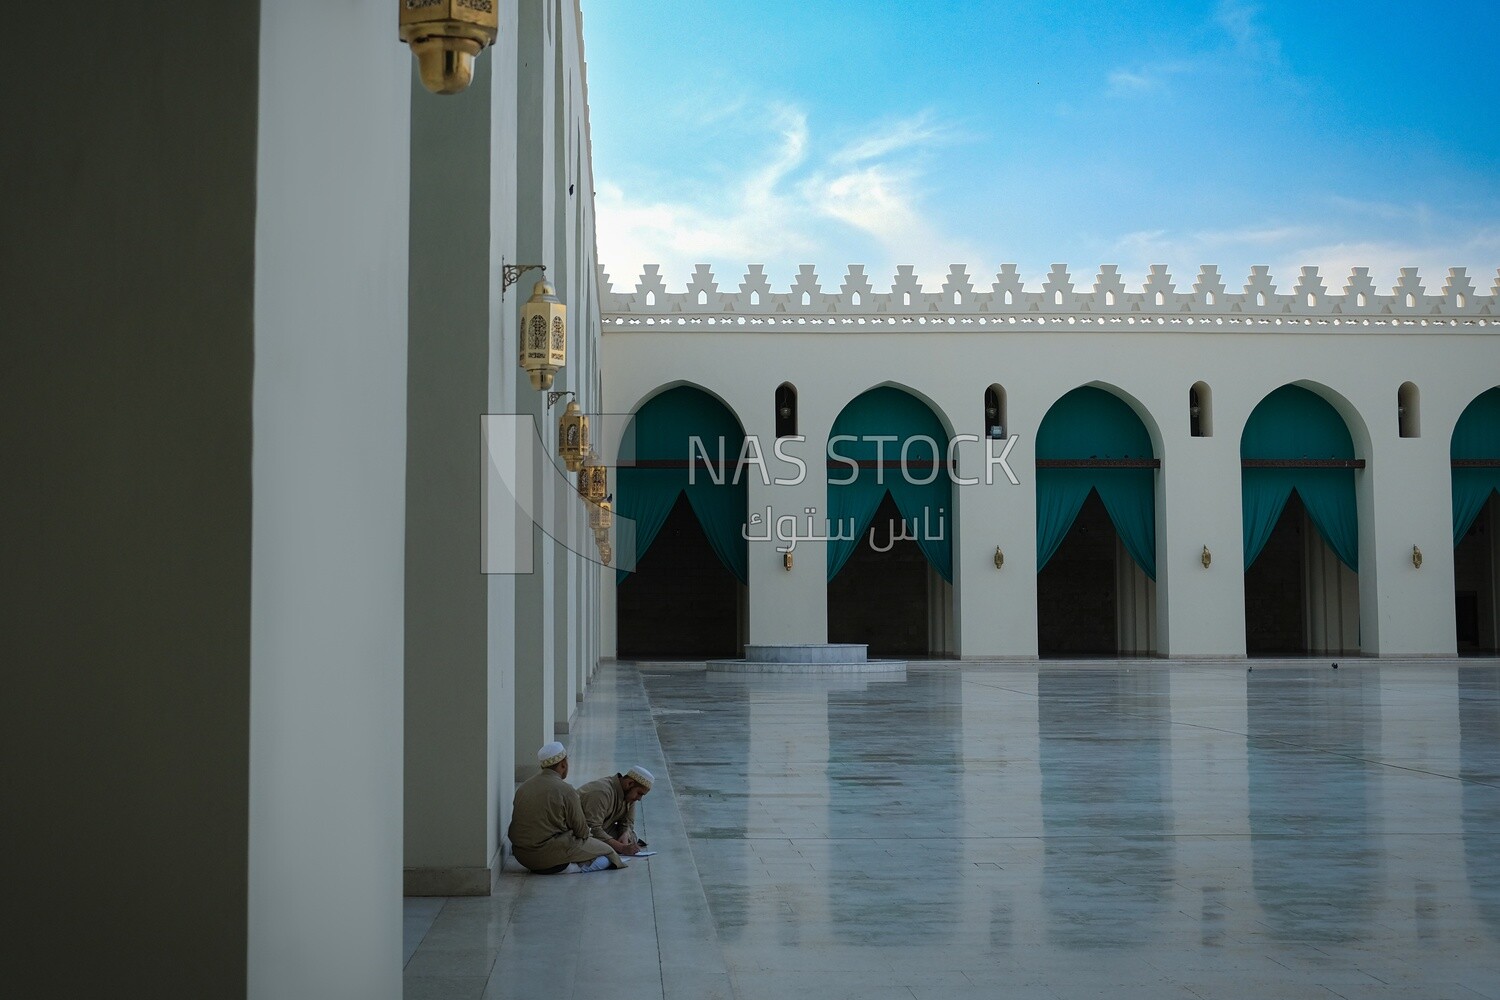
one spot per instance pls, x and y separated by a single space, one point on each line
683 583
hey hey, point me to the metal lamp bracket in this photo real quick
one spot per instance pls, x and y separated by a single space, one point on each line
554 395
511 273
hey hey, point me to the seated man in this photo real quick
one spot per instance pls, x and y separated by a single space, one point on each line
547 832
609 808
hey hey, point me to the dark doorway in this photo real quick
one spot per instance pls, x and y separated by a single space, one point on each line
1274 602
1075 591
1474 583
881 598
681 602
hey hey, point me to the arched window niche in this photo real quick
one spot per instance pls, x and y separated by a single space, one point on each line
1409 410
995 419
1201 410
786 410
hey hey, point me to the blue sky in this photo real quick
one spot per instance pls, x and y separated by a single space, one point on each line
1086 133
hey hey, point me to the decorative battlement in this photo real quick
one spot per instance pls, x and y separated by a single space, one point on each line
1006 303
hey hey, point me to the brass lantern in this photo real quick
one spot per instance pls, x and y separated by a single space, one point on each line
593 480
573 436
445 36
544 335
601 519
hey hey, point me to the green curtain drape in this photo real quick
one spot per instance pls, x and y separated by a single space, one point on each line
1060 494
889 412
1477 435
1091 423
663 430
1296 423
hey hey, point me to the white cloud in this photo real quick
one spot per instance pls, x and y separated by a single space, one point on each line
1286 249
793 203
1249 46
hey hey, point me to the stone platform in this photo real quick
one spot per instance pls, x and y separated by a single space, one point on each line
807 658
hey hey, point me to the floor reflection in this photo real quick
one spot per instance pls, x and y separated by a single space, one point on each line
1479 742
1073 827
1313 735
1103 751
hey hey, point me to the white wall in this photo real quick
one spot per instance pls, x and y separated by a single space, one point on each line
328 495
1038 352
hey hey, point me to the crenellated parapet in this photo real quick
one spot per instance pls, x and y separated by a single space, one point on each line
1004 303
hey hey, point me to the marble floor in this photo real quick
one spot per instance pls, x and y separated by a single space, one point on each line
1055 831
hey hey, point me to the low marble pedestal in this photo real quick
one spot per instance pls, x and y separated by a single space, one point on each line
807 658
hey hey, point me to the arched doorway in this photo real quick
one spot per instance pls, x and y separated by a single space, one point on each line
1300 514
888 477
1475 456
1095 528
681 582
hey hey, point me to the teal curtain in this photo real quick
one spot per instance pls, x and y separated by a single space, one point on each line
1477 435
1296 423
1092 423
643 499
663 430
721 512
890 412
849 504
1060 494
1263 496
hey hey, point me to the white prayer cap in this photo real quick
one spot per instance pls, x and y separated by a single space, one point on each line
551 754
642 777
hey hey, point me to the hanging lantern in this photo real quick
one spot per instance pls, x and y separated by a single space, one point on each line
446 36
573 437
544 335
593 480
601 517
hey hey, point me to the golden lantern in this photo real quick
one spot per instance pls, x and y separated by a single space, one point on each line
601 518
544 335
446 36
573 436
593 480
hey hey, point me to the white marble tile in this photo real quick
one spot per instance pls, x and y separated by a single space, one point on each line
1053 831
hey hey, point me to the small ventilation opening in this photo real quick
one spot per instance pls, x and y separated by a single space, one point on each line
1409 410
994 412
786 410
1200 410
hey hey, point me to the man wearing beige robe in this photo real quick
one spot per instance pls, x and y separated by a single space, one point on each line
547 830
609 808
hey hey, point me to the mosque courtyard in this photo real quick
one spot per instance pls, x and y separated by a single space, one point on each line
1056 830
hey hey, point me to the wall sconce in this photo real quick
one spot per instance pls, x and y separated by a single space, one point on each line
593 480
1416 557
1208 557
999 557
544 326
445 36
601 518
786 561
572 431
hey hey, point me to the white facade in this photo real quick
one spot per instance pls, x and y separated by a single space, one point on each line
1355 348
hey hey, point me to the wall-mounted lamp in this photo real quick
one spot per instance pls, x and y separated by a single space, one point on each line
1208 557
544 326
445 36
786 561
999 557
572 431
593 480
1416 557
